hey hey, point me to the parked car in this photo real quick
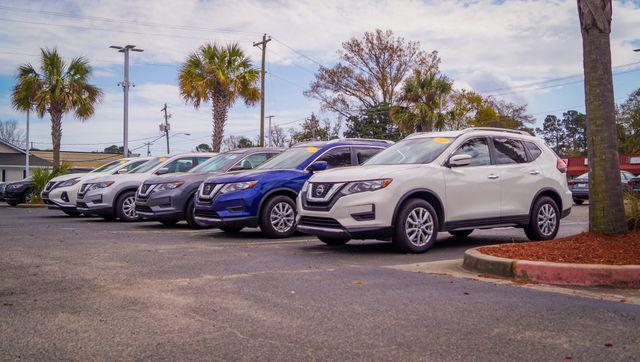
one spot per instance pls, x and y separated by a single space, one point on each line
61 192
266 196
457 181
18 192
580 186
114 196
169 198
634 184
2 186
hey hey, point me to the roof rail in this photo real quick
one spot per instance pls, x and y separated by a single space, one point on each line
361 139
495 129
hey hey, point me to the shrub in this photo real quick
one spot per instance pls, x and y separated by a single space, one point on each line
632 210
40 178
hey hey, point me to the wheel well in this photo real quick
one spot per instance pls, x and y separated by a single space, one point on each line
550 193
115 199
281 192
429 197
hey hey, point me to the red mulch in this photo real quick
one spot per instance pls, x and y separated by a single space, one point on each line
585 248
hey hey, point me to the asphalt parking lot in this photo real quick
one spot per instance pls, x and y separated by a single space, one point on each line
84 289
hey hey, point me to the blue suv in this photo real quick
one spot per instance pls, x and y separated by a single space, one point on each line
266 196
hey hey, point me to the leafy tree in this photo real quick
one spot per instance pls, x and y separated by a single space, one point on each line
422 100
463 106
374 122
606 207
369 72
314 130
498 113
9 132
245 143
629 123
220 75
57 88
575 125
554 134
114 149
233 142
279 137
203 147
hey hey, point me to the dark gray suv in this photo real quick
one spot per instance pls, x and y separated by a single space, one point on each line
169 198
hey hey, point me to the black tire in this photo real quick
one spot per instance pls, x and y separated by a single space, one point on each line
72 213
188 215
461 233
333 241
169 222
543 224
285 228
231 229
123 205
415 208
578 201
12 203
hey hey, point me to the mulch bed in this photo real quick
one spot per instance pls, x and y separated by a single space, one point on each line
585 248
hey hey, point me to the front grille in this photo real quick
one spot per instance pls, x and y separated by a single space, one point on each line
207 189
143 208
325 222
82 204
206 213
320 190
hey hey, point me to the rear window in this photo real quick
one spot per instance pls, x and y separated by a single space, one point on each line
509 151
534 150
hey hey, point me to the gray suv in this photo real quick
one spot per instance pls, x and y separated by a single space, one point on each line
169 198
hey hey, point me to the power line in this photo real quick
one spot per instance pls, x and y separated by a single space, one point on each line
297 52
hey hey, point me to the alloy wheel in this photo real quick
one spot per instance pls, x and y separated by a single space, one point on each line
129 207
282 217
547 219
419 226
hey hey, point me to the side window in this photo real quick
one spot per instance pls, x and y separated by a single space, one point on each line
363 154
200 160
180 165
337 157
133 165
509 151
253 161
534 150
478 149
627 175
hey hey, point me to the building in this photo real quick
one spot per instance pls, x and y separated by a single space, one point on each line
80 160
12 162
578 165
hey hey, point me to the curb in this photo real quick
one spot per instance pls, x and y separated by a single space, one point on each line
623 276
30 206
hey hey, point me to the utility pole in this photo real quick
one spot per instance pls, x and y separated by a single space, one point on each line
263 47
270 129
148 150
125 84
26 161
166 127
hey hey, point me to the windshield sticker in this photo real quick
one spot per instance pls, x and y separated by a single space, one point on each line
441 140
122 162
162 159
312 149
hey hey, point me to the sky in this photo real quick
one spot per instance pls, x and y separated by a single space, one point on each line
527 52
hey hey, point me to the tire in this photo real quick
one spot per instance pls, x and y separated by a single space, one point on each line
11 203
188 215
107 217
126 207
578 201
416 212
281 211
461 233
333 241
72 213
169 222
231 229
544 221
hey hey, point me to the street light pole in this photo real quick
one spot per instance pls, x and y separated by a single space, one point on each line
125 87
270 129
26 161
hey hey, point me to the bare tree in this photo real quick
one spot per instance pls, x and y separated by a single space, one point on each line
369 72
233 142
279 137
9 132
606 207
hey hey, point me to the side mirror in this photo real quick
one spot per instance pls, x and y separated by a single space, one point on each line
162 171
459 160
317 166
122 170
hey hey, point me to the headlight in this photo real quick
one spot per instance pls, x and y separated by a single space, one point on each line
305 186
362 186
237 186
168 186
69 182
15 186
99 185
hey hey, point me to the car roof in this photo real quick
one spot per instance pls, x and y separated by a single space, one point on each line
344 141
255 149
485 131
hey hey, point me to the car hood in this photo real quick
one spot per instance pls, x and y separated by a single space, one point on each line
122 177
69 176
187 177
256 175
359 173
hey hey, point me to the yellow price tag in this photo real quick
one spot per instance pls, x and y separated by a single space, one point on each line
312 149
162 159
122 162
441 140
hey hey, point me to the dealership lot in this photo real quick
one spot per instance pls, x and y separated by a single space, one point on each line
83 288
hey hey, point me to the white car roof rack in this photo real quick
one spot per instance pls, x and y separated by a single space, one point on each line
495 129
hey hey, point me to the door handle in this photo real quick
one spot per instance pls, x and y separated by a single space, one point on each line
493 176
534 172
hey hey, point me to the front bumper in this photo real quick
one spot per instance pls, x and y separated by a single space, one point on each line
160 206
94 204
62 198
236 209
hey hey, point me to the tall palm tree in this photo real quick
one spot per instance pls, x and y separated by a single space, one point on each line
56 88
220 75
422 100
606 207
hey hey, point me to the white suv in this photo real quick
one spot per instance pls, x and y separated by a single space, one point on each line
458 181
114 196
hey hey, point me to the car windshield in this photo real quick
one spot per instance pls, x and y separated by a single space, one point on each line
216 163
411 151
149 165
109 166
289 159
584 177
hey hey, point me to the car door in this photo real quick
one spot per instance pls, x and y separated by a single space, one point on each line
182 164
337 157
520 177
473 191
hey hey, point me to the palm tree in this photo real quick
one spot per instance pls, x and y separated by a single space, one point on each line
220 75
57 88
423 97
606 207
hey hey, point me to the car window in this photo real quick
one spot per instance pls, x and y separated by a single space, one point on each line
200 160
149 165
337 157
289 159
180 165
534 150
478 149
418 150
509 151
133 165
627 175
109 166
363 154
253 161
